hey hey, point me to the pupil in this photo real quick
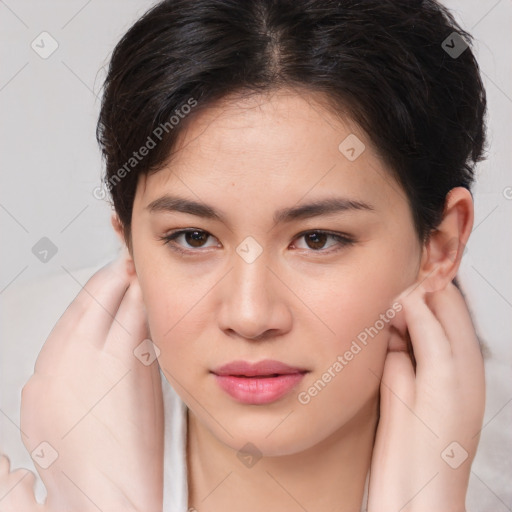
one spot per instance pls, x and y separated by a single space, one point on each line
194 238
314 238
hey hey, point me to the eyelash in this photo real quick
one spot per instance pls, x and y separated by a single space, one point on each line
343 240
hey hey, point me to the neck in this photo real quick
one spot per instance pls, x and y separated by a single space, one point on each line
328 476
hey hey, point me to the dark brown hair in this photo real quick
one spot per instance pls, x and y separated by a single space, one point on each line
402 69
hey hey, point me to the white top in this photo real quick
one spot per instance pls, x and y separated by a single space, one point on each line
175 454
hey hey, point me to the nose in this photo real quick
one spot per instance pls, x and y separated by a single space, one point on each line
254 301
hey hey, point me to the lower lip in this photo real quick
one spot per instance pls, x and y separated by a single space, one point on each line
258 390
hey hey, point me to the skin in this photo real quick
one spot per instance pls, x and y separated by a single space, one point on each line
285 305
96 405
247 159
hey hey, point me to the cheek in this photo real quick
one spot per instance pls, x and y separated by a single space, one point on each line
356 299
349 363
175 312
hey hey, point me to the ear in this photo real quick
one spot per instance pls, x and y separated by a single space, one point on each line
118 228
443 250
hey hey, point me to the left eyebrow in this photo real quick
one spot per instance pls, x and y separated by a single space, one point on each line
320 207
314 209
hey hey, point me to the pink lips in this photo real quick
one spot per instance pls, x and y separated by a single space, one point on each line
258 383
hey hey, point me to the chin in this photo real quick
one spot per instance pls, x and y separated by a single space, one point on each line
267 435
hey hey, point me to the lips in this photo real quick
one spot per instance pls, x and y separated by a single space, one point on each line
258 383
265 368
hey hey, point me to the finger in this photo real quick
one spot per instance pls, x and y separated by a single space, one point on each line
398 322
398 377
90 314
428 338
449 306
397 341
130 327
5 464
468 365
96 305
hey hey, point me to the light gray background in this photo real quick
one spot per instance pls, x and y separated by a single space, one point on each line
50 165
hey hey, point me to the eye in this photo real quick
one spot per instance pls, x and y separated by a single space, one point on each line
317 239
194 238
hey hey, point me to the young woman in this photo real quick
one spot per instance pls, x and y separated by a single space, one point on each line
292 182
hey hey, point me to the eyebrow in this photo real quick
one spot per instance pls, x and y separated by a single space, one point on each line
168 203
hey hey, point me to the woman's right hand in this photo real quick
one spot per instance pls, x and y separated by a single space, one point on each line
92 413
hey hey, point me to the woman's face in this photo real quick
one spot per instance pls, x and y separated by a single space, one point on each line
260 280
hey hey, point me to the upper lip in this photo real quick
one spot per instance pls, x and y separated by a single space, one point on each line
265 367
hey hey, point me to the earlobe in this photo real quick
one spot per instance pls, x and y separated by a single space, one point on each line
443 251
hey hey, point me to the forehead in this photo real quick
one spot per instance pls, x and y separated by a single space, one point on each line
280 145
281 119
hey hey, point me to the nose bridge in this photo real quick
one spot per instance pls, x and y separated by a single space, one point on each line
250 267
250 281
252 304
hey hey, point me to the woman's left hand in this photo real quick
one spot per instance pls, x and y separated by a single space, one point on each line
431 416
